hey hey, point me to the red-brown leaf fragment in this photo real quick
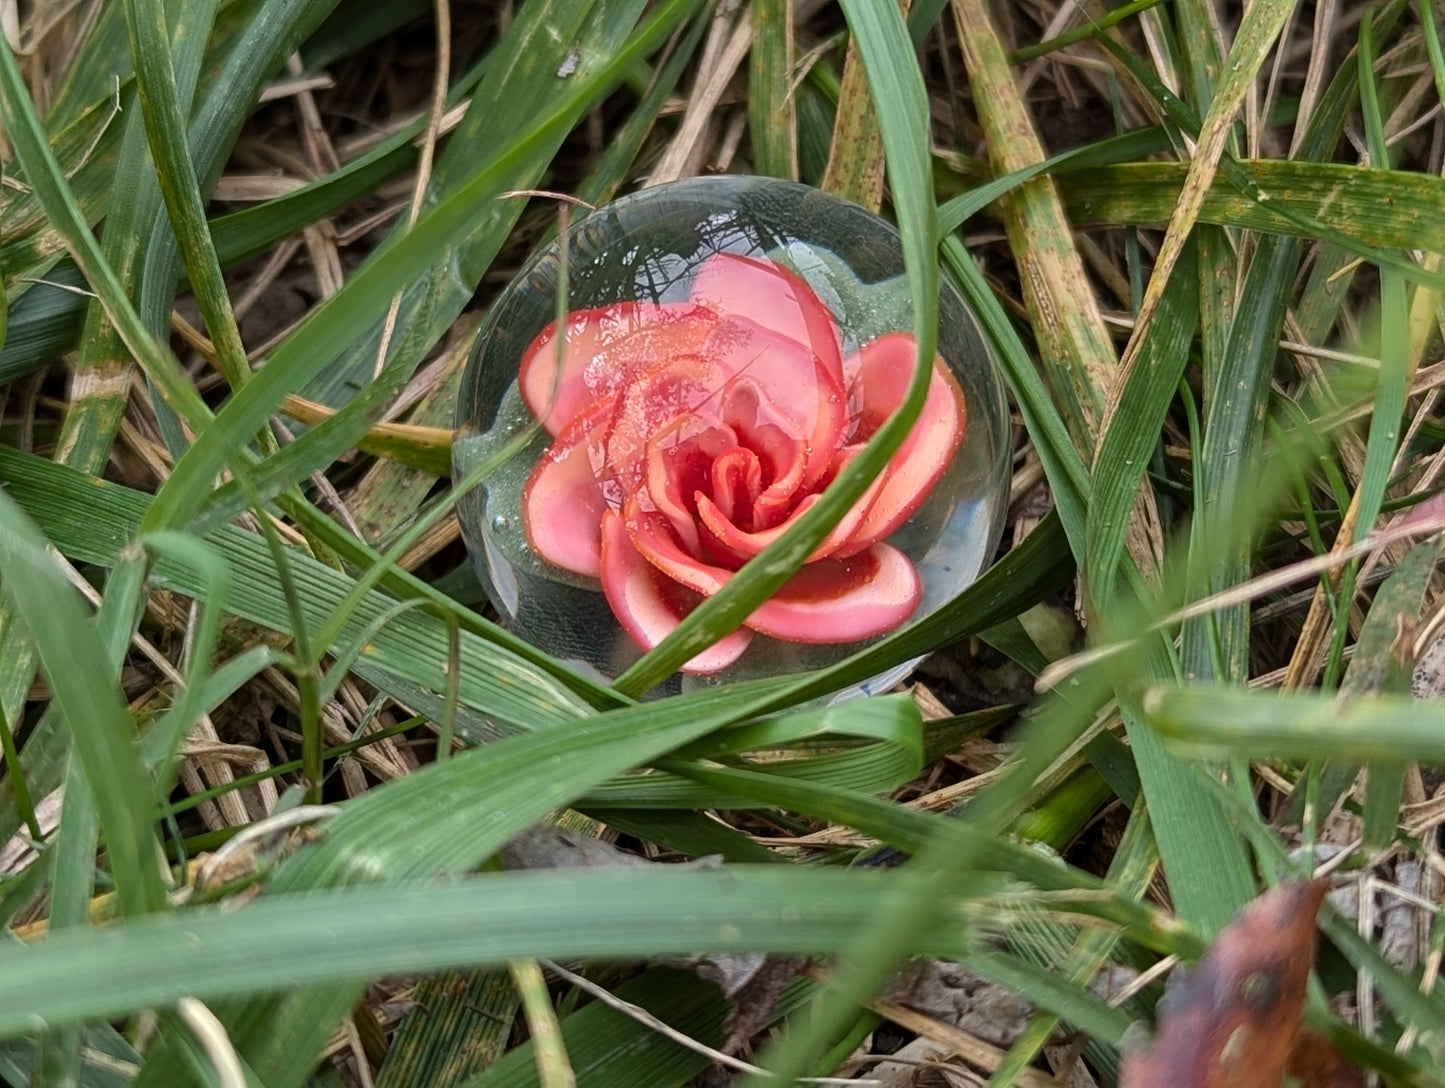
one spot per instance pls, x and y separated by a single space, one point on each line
1233 1020
1316 1063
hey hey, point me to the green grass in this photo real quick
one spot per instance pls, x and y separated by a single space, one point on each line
1138 259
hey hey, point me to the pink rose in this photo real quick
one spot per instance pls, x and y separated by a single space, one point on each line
690 435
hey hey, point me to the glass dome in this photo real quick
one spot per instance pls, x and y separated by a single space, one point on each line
729 345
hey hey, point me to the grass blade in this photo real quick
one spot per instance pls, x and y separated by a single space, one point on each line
899 98
356 933
771 122
81 677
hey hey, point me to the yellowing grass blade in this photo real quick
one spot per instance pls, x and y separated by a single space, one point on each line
1261 26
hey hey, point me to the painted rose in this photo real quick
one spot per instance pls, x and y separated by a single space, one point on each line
688 436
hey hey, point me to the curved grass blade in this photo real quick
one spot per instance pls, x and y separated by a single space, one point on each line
161 106
1091 28
1213 721
610 1050
478 800
1075 349
48 181
993 858
1365 208
93 522
325 334
82 681
253 56
104 367
552 49
216 953
892 754
1084 160
1135 421
900 101
88 431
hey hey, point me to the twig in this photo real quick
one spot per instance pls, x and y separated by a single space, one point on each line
424 162
1066 667
211 1034
642 1016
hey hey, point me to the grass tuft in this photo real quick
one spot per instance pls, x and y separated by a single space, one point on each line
263 743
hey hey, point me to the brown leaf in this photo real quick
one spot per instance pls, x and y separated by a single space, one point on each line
1233 1020
1317 1063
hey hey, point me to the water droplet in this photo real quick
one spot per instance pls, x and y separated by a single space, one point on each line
501 523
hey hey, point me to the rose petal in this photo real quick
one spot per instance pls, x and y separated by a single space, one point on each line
680 456
775 298
789 378
563 501
881 372
743 545
680 389
649 605
842 600
737 481
780 449
650 535
831 600
604 347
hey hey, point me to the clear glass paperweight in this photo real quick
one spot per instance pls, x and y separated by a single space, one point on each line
730 343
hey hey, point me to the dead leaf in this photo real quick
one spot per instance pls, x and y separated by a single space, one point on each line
1232 1021
1317 1063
